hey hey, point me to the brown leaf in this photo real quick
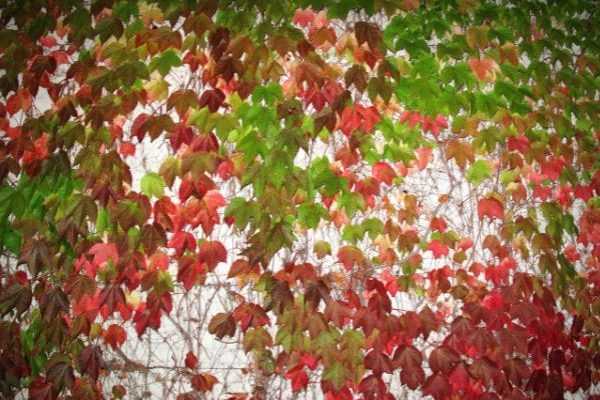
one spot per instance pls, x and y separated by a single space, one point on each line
369 33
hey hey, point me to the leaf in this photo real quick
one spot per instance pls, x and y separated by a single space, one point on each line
153 185
310 214
479 171
104 252
438 249
322 248
39 389
437 386
408 357
115 336
15 297
378 362
191 272
336 374
357 76
367 33
443 359
203 382
212 253
182 100
413 377
221 325
350 256
383 172
212 98
90 361
164 62
461 152
459 378
304 17
60 371
191 361
490 207
257 339
298 377
484 69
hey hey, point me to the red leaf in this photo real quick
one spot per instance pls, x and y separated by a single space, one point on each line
212 253
181 241
304 17
104 252
203 382
350 121
490 207
423 157
212 98
459 378
493 301
191 361
21 100
191 272
443 359
518 143
370 117
438 248
136 127
127 149
438 224
408 357
250 315
413 377
115 336
309 360
214 200
48 41
225 169
553 168
571 253
39 389
437 386
383 172
90 361
378 362
298 377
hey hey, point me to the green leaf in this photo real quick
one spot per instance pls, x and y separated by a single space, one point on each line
153 185
243 211
269 93
102 220
125 9
353 233
336 374
508 176
11 240
323 178
310 214
373 227
479 171
164 62
322 248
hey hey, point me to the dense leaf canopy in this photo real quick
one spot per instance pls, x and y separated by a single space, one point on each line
414 187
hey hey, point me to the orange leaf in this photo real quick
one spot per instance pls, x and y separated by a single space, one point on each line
350 256
484 70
